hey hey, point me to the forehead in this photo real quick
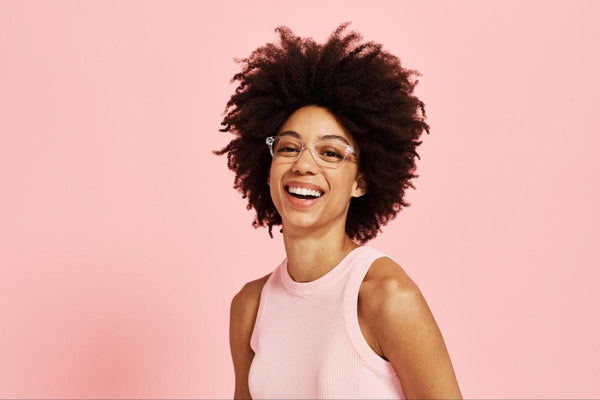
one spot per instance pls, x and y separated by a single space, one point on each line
312 123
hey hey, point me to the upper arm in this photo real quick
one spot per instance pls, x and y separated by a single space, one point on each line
411 340
242 316
240 329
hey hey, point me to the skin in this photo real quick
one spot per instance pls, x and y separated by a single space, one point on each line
393 315
314 238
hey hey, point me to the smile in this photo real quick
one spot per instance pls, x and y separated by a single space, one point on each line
303 193
302 197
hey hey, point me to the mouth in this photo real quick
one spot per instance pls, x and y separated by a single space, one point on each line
303 193
302 197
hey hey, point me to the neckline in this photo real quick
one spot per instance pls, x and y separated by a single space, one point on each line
323 282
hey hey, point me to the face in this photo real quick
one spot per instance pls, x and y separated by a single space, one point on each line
337 186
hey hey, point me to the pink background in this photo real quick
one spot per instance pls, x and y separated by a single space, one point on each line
122 241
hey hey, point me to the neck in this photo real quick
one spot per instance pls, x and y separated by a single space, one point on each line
310 256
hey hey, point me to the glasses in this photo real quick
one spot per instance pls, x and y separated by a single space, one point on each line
327 153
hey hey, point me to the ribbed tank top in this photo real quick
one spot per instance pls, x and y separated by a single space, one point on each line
307 340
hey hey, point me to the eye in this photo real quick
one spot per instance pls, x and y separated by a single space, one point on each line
332 153
286 149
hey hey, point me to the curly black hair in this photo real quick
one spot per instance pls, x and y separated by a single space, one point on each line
364 86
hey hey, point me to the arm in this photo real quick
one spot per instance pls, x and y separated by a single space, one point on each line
240 329
244 308
411 340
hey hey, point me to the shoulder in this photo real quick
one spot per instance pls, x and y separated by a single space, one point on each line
388 295
384 282
406 332
245 302
242 315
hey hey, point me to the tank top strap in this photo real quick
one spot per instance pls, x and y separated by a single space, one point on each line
350 311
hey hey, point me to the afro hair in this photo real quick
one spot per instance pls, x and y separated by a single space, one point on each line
364 86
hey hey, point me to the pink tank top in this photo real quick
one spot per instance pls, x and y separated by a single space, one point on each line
307 339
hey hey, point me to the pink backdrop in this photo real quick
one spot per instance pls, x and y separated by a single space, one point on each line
122 241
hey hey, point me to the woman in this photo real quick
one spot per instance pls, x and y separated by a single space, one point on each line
325 147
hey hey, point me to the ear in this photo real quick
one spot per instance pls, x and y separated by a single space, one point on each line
359 187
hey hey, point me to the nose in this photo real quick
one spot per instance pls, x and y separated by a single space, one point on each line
306 162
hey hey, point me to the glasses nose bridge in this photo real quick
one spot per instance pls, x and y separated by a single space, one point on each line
311 148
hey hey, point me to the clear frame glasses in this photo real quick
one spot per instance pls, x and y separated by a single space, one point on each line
328 153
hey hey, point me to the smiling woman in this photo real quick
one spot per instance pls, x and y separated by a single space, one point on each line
337 318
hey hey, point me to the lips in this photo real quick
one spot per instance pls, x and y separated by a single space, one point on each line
301 203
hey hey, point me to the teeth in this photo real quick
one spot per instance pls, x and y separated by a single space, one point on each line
304 191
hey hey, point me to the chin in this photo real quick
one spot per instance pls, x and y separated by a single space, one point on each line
299 222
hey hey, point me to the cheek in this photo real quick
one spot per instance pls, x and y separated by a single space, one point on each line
274 182
344 184
273 177
341 189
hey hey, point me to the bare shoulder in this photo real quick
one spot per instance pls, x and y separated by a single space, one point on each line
244 304
406 332
253 288
387 292
385 284
385 279
382 277
244 308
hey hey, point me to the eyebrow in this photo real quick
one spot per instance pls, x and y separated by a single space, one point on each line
297 135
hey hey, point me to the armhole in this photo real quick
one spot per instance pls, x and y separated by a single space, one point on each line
254 342
350 307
